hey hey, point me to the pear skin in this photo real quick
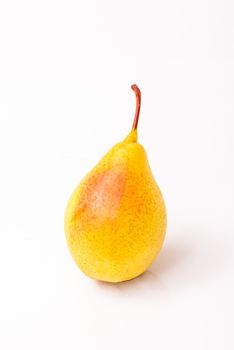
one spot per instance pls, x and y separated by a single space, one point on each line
115 220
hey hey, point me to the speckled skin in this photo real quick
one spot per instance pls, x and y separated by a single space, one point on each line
115 221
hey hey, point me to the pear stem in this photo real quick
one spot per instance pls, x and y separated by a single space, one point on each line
137 91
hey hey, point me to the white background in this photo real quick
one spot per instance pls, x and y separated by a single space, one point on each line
65 73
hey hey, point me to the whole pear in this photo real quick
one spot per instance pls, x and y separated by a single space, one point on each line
115 220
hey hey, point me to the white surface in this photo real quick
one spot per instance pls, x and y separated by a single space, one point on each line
65 73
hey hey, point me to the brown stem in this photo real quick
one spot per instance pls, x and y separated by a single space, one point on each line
137 91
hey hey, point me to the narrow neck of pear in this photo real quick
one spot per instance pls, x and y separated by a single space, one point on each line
132 136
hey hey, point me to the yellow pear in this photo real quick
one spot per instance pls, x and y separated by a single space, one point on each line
115 220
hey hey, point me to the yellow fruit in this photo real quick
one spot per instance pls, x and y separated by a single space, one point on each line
115 220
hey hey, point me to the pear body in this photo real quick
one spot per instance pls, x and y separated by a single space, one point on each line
115 220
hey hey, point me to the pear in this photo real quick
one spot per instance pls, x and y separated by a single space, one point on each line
115 220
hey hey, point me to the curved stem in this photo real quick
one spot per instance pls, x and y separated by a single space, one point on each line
137 91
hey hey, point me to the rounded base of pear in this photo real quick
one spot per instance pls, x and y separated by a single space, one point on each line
118 278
